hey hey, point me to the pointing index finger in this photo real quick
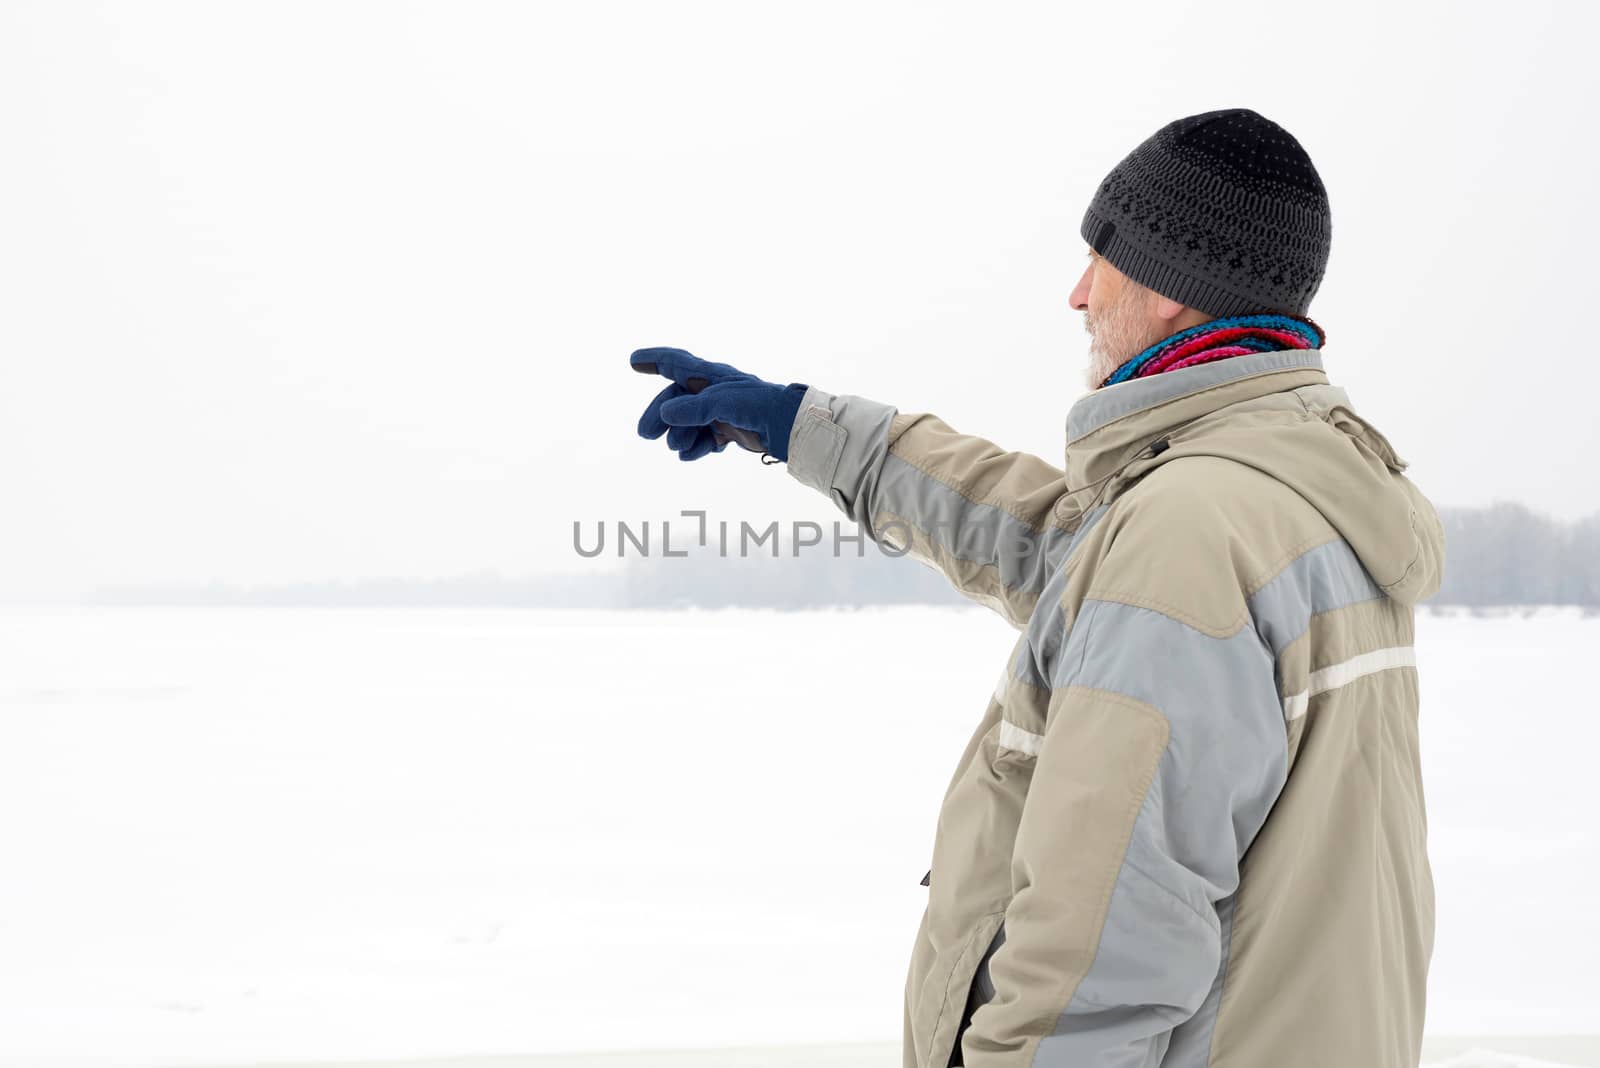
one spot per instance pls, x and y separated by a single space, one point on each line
661 360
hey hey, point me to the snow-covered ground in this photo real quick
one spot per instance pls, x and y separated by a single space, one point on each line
232 835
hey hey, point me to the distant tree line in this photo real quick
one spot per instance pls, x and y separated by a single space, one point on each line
1504 554
1508 554
701 579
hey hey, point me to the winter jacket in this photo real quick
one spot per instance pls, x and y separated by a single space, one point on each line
1189 828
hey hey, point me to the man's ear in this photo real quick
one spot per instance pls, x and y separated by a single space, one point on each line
1167 308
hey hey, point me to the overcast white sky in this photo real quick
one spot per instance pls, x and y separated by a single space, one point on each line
305 291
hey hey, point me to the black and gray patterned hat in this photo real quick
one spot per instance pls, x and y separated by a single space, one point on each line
1222 211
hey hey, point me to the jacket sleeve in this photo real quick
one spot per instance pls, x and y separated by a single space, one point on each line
982 516
1162 750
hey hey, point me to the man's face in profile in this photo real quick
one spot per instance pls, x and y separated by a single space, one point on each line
1118 315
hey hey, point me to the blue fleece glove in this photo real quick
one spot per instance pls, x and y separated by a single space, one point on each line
710 404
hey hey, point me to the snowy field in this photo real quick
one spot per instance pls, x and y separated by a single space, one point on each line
255 835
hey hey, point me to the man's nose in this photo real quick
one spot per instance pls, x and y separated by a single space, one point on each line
1080 293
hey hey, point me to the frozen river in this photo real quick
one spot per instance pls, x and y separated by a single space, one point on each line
285 834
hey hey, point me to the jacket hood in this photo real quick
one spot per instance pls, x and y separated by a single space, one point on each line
1277 412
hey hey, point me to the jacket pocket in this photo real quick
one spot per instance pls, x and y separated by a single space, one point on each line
946 1020
981 992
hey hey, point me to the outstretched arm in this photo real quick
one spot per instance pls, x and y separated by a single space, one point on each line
984 517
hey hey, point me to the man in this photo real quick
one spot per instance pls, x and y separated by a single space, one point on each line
1189 829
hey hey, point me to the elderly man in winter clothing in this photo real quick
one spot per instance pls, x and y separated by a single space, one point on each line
1189 828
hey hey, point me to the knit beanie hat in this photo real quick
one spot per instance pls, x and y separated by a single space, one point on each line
1222 211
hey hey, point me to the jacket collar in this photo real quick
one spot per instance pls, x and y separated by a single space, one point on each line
1111 426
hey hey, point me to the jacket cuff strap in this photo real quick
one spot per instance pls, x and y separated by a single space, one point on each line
815 442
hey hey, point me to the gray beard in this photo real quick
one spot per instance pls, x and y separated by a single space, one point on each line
1118 334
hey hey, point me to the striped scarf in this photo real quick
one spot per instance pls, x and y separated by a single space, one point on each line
1219 339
